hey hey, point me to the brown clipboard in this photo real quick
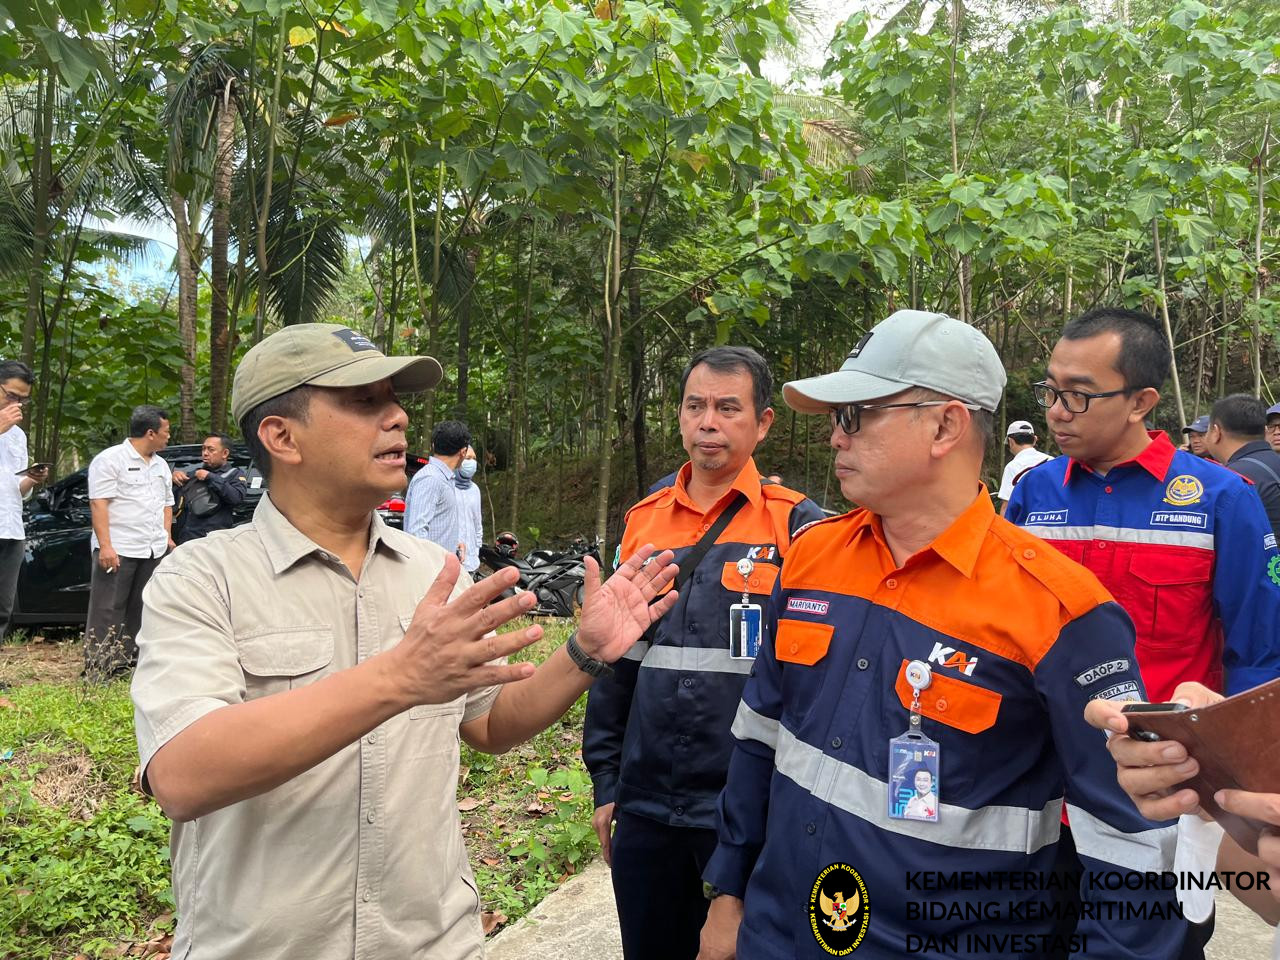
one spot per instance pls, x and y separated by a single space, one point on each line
1237 744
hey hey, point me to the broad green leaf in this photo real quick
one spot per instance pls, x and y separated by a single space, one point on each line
714 87
963 236
1147 203
75 58
382 12
301 36
565 25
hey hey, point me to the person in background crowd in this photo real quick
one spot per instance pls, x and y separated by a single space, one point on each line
1182 543
470 510
305 680
18 477
893 621
131 503
1021 440
657 735
1235 438
1195 433
206 499
431 502
1272 431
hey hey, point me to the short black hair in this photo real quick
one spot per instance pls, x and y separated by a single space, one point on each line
1145 356
222 439
16 370
1023 438
144 419
1240 415
294 404
450 437
732 360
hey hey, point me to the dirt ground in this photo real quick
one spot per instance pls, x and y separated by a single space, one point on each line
44 658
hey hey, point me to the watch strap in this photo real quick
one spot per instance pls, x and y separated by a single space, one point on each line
591 667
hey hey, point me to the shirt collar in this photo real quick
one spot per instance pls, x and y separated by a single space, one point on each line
441 466
959 544
286 544
1250 448
746 482
131 451
1155 458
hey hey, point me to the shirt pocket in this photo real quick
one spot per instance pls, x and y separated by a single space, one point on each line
952 702
432 728
1174 591
801 642
280 660
759 582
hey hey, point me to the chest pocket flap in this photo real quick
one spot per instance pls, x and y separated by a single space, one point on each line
286 653
802 642
761 579
956 703
1163 570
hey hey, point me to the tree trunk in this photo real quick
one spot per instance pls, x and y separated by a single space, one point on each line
1168 326
464 330
219 332
186 319
639 386
268 173
612 355
1258 268
41 179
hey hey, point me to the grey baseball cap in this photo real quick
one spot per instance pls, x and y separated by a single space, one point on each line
322 355
1199 425
908 349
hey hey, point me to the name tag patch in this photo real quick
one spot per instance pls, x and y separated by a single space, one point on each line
1121 691
1269 542
804 605
1178 518
1045 517
1101 670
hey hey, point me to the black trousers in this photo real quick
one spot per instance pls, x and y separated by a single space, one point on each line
657 882
11 553
1068 863
115 614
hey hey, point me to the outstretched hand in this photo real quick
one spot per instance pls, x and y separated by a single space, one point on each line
616 613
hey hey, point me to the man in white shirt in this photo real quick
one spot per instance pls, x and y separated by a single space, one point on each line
470 511
1021 438
15 393
131 498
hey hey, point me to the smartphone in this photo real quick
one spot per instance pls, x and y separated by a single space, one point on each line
34 466
1135 730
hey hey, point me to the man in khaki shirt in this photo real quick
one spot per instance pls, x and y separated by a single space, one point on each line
304 680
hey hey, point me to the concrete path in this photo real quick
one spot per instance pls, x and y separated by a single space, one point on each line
579 922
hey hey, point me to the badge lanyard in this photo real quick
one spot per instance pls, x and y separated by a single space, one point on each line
914 759
745 619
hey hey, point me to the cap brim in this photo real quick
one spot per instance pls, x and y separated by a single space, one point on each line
820 394
407 374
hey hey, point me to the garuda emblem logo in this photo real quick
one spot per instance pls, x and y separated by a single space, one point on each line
839 911
1183 490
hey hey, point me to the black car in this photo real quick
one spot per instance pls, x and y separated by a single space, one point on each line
53 585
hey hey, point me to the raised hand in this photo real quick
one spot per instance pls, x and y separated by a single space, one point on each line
616 613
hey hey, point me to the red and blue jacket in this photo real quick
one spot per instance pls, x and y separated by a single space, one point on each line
1019 640
1184 546
656 739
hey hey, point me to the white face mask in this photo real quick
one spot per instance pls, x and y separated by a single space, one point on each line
467 469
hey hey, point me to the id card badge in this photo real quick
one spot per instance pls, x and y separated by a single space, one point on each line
745 620
914 760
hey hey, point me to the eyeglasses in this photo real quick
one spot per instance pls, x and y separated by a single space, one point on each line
1073 401
17 398
1272 427
848 416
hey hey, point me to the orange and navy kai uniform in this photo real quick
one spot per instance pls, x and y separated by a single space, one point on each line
656 738
1018 639
1184 545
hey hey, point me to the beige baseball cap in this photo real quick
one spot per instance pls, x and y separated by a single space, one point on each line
909 348
322 355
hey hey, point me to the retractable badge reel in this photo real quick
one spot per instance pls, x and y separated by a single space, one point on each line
745 619
914 759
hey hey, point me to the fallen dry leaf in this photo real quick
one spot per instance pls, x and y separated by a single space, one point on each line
468 803
492 920
6 703
490 861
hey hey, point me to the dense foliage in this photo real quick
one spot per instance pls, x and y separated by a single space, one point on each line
565 201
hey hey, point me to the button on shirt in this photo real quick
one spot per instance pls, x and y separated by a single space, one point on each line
139 491
359 858
13 457
431 506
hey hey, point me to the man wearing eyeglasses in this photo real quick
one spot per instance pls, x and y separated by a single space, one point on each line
893 651
16 479
1272 430
1182 543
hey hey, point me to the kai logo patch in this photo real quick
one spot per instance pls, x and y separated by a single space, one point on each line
839 910
767 552
1183 490
951 657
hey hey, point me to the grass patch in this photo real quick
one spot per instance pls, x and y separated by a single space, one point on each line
86 855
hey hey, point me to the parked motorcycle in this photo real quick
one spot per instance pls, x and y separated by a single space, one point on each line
556 577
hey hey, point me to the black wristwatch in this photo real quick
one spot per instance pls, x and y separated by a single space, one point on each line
592 668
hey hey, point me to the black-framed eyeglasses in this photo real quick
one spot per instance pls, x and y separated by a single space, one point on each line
848 416
1073 401
17 398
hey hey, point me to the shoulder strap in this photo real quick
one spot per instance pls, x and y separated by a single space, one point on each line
1271 473
689 563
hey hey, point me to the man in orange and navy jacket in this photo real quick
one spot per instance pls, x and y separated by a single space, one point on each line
657 739
925 634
